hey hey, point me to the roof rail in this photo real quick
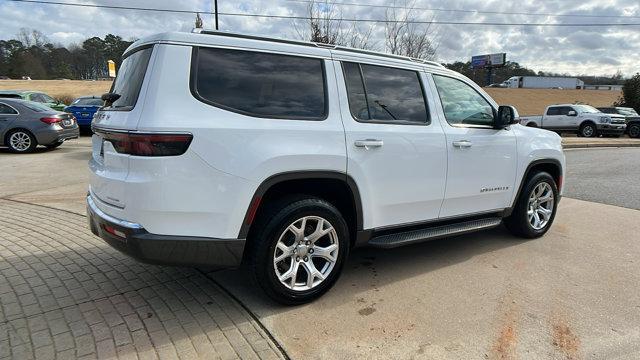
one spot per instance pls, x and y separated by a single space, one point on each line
315 44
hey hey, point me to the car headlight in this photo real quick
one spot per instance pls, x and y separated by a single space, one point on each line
605 120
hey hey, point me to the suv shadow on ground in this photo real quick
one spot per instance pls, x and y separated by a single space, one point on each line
371 268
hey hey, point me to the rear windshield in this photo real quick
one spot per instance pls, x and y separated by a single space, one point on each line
260 84
88 102
37 107
129 80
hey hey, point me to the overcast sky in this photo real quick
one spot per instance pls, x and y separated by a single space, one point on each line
576 50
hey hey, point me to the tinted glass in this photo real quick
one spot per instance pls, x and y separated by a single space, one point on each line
462 104
37 107
355 91
565 110
47 98
38 98
7 110
261 84
88 102
553 111
391 94
129 80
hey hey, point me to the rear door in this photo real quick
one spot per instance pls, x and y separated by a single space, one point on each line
558 118
110 168
396 154
7 115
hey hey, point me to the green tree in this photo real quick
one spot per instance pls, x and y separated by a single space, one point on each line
631 93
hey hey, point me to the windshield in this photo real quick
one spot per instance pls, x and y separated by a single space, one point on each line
586 109
129 80
48 98
88 102
627 111
37 107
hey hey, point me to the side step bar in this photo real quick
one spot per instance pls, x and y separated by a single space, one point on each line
416 236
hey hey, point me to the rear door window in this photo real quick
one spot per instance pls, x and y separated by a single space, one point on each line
553 111
385 94
260 84
129 80
7 110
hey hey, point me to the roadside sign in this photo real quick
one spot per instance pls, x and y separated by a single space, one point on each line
112 68
488 61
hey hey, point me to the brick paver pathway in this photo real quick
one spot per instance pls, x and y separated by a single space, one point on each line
65 294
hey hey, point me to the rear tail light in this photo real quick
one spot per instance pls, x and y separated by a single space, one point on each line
50 120
148 144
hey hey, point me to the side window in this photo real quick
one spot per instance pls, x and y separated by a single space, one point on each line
260 84
565 110
462 104
378 93
7 110
553 111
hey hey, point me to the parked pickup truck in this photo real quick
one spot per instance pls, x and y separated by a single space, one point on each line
583 120
629 114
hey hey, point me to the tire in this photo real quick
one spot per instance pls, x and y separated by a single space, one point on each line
518 222
588 130
634 130
21 141
54 145
275 231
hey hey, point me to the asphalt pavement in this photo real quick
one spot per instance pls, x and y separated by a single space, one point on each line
608 176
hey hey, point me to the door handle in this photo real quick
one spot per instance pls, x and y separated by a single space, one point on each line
462 144
369 143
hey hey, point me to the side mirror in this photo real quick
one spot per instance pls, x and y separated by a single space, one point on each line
507 115
572 113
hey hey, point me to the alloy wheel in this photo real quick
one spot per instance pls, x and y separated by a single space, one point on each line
588 131
306 253
541 202
20 141
634 131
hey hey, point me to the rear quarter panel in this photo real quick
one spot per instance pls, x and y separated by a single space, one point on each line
235 153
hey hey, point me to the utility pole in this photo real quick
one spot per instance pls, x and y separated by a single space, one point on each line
215 5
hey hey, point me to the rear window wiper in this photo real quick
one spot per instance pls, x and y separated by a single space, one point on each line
110 98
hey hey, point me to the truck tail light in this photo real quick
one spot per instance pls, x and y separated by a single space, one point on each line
148 144
50 120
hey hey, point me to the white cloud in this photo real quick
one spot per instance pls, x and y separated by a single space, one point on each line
578 50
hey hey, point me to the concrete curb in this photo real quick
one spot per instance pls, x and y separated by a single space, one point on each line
597 145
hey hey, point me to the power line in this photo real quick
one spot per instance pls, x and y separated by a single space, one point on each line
292 17
462 10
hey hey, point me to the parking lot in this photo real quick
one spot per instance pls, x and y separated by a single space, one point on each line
569 295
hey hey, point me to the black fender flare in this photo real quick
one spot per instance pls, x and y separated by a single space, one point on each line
299 175
526 174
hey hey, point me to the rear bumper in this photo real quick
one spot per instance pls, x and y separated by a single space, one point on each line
51 136
133 240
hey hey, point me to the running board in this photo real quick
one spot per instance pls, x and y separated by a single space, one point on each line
416 236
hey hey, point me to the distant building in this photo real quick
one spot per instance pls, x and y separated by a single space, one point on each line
604 87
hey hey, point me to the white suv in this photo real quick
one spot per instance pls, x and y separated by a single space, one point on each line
221 149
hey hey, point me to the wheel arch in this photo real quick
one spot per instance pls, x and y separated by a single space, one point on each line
551 166
336 187
8 132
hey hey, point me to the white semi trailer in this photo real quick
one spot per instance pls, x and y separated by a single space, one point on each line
544 82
